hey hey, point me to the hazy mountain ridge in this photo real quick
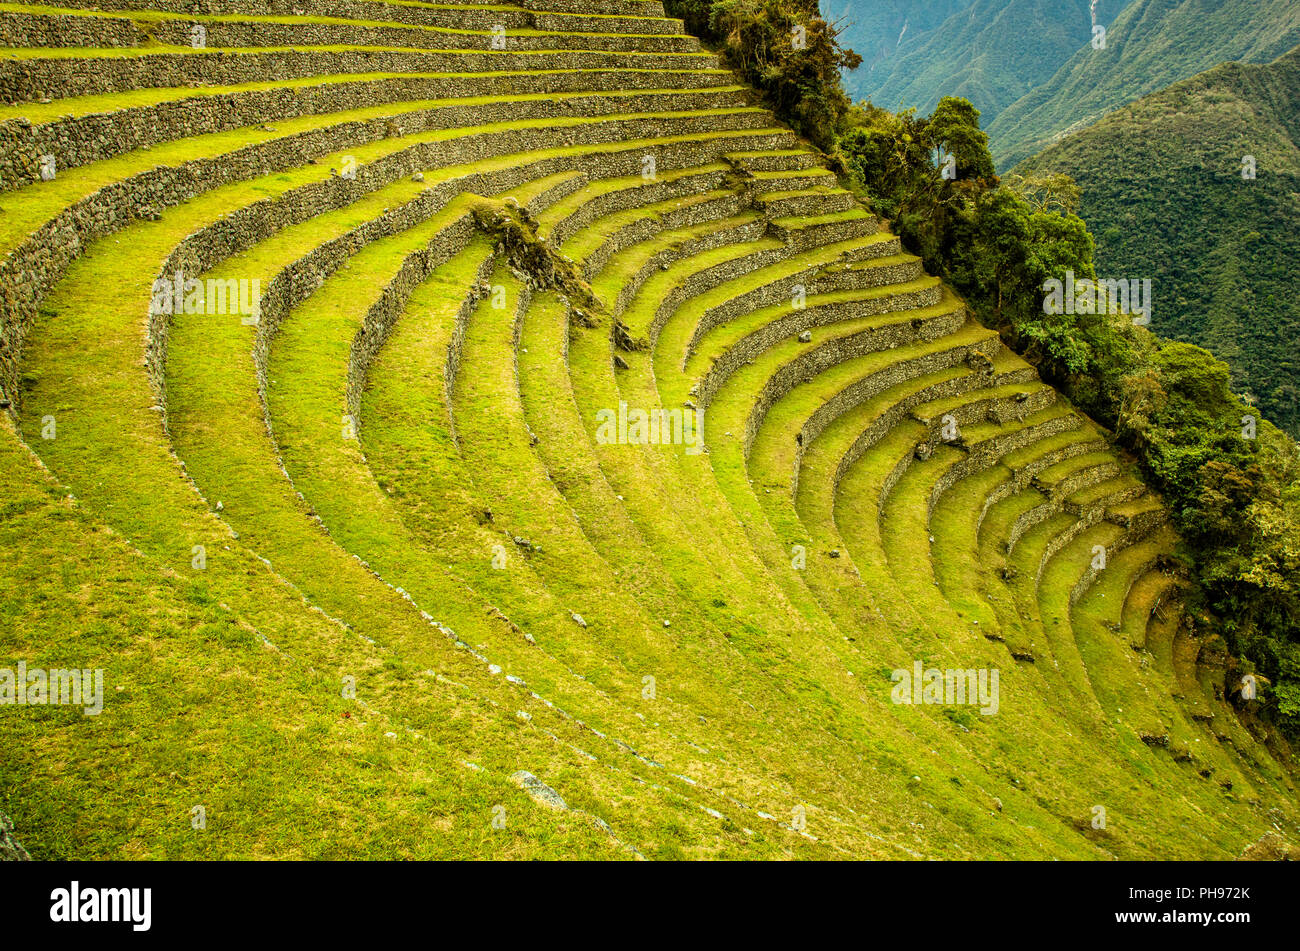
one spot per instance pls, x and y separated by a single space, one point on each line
875 29
991 52
1150 45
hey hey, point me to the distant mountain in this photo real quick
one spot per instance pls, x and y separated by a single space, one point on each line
874 29
1150 44
991 52
1164 194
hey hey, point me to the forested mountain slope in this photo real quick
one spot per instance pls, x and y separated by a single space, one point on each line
1168 193
878 30
991 52
1150 45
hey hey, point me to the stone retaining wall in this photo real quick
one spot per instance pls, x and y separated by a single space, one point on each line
384 313
581 21
1147 520
639 194
892 375
1055 503
741 303
1044 430
866 388
806 237
227 34
27 80
813 177
706 279
884 337
815 280
30 270
746 231
966 414
1126 494
777 163
860 278
1022 478
688 215
650 8
76 141
1131 537
451 369
1061 539
887 335
1079 479
989 452
810 205
58 30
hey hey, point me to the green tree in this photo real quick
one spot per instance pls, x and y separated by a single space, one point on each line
955 126
786 49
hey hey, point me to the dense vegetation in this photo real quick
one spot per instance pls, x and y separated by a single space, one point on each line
1232 481
1150 44
786 49
1163 186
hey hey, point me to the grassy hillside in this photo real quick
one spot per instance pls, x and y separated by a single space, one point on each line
369 572
1164 194
1150 45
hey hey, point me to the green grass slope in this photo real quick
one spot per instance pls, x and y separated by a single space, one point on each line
370 573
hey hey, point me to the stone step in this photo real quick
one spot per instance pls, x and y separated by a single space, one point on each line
76 140
464 14
67 28
33 74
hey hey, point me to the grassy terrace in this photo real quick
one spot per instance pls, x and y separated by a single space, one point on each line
400 476
80 106
154 17
200 705
35 205
166 518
